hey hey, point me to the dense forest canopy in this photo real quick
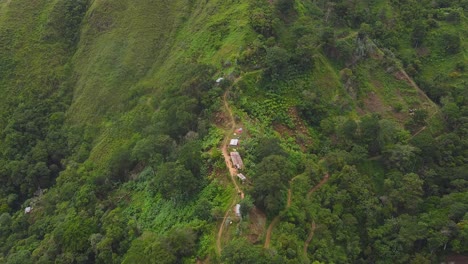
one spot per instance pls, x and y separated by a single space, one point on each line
116 116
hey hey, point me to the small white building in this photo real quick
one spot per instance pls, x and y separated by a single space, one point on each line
237 210
219 80
241 177
234 142
27 210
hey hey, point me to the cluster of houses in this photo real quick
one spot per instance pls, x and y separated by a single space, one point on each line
236 157
238 164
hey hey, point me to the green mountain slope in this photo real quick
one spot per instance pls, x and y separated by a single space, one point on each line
114 131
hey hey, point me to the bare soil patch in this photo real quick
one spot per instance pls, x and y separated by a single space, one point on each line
300 131
373 103
257 222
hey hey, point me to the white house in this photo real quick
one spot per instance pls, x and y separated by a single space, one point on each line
234 142
237 210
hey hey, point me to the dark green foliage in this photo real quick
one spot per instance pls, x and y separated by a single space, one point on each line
20 257
418 34
240 251
65 21
328 39
190 156
401 157
171 248
261 18
369 130
246 205
120 165
174 181
270 183
153 149
284 6
418 119
404 192
267 147
203 210
276 63
451 43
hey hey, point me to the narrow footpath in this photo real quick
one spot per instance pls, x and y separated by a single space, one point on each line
309 238
322 182
288 204
277 218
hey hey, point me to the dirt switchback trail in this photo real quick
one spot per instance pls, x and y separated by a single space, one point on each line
232 170
270 228
313 226
276 219
309 238
322 182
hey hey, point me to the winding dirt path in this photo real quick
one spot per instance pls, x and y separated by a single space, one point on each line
232 170
224 148
309 238
424 127
277 218
288 204
275 222
270 228
313 225
322 182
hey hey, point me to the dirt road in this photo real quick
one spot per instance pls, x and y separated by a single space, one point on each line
309 238
276 219
232 171
322 182
288 204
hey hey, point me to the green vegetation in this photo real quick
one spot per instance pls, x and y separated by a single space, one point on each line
355 126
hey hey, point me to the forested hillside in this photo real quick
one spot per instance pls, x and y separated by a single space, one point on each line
116 120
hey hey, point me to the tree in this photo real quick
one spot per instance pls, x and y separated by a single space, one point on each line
246 205
147 249
20 257
174 181
400 156
389 133
240 251
181 242
349 129
266 147
261 20
171 248
276 63
418 34
284 6
369 131
451 43
120 164
328 40
190 156
270 181
405 192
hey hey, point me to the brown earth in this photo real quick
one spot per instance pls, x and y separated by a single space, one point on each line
229 119
257 221
309 238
